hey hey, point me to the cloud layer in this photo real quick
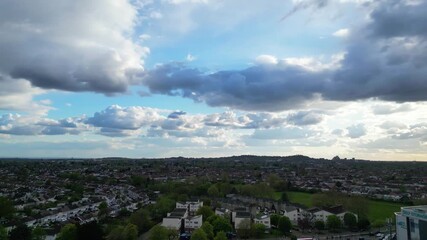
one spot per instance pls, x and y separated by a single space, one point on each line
385 59
70 45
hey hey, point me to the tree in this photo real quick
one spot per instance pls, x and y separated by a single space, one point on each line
38 233
284 197
205 211
274 219
3 233
213 191
141 219
199 234
350 220
221 224
158 233
319 225
221 236
363 223
6 208
257 230
21 232
68 232
284 224
208 229
103 210
333 223
90 231
128 232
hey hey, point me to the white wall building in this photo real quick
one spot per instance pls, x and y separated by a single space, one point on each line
241 217
263 219
411 223
193 222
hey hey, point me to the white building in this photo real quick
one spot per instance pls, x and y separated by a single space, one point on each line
192 206
263 219
293 213
223 212
192 223
241 217
174 219
411 223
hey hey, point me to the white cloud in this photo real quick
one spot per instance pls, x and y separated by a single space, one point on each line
342 33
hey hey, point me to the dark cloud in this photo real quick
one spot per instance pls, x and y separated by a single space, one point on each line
176 114
380 62
397 18
261 88
305 118
73 46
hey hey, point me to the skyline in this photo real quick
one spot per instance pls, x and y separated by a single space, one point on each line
211 78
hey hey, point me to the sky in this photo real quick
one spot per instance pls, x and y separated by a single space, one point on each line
209 78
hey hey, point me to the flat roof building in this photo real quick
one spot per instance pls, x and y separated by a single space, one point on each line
411 223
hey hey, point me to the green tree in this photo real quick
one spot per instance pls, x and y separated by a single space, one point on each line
205 211
333 223
6 208
3 233
221 224
274 218
199 234
350 220
159 233
208 229
284 197
90 231
221 236
363 223
257 230
319 225
68 232
284 225
213 191
38 233
128 232
21 232
141 219
103 210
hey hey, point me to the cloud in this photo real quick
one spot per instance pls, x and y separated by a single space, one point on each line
342 33
356 131
283 133
385 109
15 124
305 118
71 45
119 121
262 87
378 63
300 5
18 95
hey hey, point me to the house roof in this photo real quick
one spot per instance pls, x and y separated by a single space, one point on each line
243 214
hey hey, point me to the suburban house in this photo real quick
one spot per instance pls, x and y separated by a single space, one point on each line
263 219
241 217
184 216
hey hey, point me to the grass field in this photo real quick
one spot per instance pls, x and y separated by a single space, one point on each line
378 210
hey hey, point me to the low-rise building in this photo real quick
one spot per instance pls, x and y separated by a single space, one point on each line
263 219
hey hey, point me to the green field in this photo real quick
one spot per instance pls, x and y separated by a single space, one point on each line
378 210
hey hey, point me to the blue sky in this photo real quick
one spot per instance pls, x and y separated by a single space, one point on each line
144 78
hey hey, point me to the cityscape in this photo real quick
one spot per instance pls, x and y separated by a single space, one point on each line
213 119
